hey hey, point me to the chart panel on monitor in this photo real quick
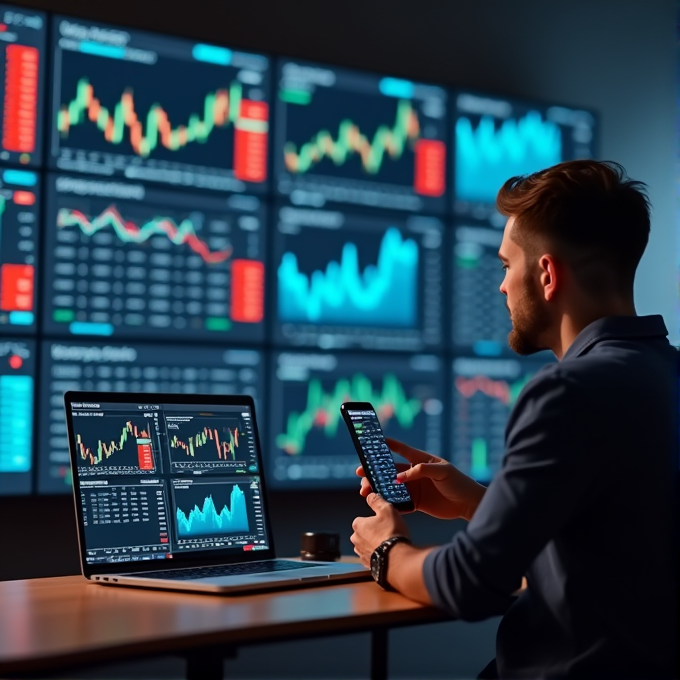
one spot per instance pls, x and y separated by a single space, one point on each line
352 137
484 392
480 318
155 108
19 233
130 261
497 138
347 280
23 35
130 368
17 380
309 443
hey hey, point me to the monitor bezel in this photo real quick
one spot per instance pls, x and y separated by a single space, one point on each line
179 560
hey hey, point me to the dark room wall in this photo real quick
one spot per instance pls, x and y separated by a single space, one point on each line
614 56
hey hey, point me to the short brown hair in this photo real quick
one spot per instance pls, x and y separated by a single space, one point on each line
596 218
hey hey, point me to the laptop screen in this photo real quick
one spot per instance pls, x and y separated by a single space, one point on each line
164 480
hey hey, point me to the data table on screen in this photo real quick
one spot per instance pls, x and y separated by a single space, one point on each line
155 108
17 386
309 446
484 393
498 138
348 280
194 369
345 136
130 261
23 35
480 318
19 239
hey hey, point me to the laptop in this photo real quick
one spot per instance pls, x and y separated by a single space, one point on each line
170 493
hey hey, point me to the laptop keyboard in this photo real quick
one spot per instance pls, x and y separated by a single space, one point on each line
241 569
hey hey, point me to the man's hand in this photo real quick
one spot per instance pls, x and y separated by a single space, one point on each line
436 487
370 532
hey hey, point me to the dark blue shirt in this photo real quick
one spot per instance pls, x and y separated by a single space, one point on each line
583 506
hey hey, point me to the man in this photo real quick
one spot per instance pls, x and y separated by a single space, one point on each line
583 506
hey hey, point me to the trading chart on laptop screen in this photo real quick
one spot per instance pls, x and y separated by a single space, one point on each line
161 479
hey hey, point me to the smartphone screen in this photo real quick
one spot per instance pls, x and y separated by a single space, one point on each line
375 455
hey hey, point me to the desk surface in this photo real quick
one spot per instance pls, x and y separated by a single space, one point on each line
59 622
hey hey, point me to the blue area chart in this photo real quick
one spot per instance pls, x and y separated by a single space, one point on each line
385 294
16 422
207 521
486 156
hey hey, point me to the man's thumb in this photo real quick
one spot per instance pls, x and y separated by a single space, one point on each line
419 471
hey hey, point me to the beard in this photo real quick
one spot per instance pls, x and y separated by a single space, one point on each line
530 319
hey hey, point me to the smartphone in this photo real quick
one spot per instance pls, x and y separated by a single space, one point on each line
376 457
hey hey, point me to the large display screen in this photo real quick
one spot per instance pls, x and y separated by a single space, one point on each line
132 261
19 236
484 392
17 386
22 71
346 280
496 139
308 445
130 368
352 137
160 109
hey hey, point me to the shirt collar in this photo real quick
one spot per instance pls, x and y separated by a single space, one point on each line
620 327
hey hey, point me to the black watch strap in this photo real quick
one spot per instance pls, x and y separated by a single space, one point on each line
379 560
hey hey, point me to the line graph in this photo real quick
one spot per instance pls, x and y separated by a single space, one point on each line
487 155
209 437
129 232
350 140
232 517
500 390
385 294
322 408
134 444
220 108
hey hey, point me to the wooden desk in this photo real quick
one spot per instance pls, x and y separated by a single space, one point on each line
59 623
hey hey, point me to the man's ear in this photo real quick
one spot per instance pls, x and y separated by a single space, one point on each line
550 276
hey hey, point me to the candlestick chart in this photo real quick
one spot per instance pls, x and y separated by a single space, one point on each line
115 445
159 112
361 140
308 442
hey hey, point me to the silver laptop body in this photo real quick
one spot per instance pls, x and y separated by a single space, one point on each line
170 493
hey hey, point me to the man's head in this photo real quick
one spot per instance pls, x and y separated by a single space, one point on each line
572 243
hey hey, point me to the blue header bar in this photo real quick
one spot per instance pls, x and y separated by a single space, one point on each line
100 50
23 178
212 54
394 87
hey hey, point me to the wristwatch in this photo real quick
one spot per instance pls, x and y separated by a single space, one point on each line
379 560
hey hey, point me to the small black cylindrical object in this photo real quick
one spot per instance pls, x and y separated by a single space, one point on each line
323 546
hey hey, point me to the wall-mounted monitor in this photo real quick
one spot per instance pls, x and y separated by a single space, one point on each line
149 107
351 280
346 136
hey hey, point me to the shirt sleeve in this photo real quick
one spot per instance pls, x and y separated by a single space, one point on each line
544 475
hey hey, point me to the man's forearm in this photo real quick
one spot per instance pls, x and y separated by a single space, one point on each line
405 571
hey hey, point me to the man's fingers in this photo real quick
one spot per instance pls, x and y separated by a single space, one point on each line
434 471
376 502
413 456
365 488
360 471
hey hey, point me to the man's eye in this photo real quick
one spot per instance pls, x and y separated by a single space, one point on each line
504 267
